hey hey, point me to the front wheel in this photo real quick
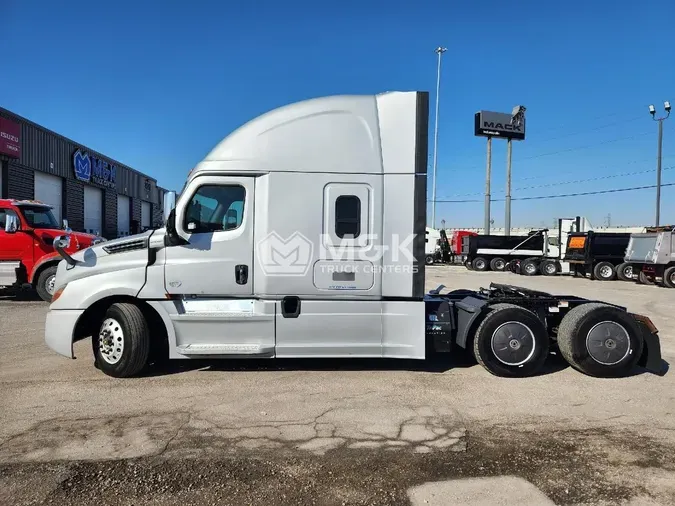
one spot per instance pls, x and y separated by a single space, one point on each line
549 268
429 259
600 340
122 345
511 341
45 283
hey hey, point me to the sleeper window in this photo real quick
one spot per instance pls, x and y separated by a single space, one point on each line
214 208
348 216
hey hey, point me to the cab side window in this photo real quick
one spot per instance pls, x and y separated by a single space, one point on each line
215 208
3 217
348 216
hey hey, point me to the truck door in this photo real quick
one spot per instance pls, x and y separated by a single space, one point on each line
213 271
217 223
15 247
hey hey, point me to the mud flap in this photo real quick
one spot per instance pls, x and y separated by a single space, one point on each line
651 352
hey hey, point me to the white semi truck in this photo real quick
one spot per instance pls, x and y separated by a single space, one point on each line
301 234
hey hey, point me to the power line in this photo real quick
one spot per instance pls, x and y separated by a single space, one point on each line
542 197
574 181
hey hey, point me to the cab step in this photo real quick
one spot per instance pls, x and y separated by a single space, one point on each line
225 349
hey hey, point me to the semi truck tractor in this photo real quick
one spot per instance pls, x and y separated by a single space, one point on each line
301 234
651 255
27 254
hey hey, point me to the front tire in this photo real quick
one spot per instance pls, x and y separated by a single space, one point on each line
511 341
122 345
45 283
549 268
604 271
600 340
429 260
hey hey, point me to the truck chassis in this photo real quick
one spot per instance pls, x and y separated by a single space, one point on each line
510 331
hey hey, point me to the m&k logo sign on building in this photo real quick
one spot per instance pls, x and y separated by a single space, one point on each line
89 168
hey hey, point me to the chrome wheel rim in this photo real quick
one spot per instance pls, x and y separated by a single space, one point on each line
49 285
513 343
500 265
549 268
480 265
628 271
606 271
111 341
608 343
530 268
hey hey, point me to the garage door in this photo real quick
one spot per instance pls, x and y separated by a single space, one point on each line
49 189
123 215
93 210
145 215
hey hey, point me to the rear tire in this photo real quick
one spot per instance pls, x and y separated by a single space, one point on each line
669 277
45 283
429 259
497 264
643 279
122 344
604 271
600 340
624 271
549 268
511 341
529 267
467 264
479 264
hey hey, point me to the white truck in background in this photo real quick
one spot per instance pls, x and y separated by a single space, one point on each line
301 234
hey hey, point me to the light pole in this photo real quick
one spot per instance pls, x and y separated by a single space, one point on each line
652 111
439 51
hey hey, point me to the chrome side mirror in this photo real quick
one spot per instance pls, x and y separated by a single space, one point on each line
169 205
61 243
11 224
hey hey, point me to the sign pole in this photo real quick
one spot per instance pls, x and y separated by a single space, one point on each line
488 171
507 217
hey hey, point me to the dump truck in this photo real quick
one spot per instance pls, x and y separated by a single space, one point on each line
651 256
599 255
302 234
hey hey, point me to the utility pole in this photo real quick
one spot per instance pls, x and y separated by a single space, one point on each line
439 51
652 111
488 171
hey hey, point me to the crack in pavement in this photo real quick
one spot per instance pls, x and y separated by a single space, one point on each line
189 433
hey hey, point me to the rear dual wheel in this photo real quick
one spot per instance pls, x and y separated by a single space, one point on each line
511 341
625 271
604 271
600 340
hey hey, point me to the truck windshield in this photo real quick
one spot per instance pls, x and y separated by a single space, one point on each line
39 217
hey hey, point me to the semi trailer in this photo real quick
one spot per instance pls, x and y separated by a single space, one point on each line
301 234
599 255
651 255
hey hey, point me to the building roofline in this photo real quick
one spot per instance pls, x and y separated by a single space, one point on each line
20 118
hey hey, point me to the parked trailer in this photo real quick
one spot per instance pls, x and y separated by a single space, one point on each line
651 255
494 252
223 281
598 254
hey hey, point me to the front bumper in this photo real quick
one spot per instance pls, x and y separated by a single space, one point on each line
59 329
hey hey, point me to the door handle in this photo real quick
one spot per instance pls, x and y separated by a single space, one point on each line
241 274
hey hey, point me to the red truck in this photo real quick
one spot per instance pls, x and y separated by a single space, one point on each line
27 255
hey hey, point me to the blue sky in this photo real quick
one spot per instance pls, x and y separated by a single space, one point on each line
157 84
